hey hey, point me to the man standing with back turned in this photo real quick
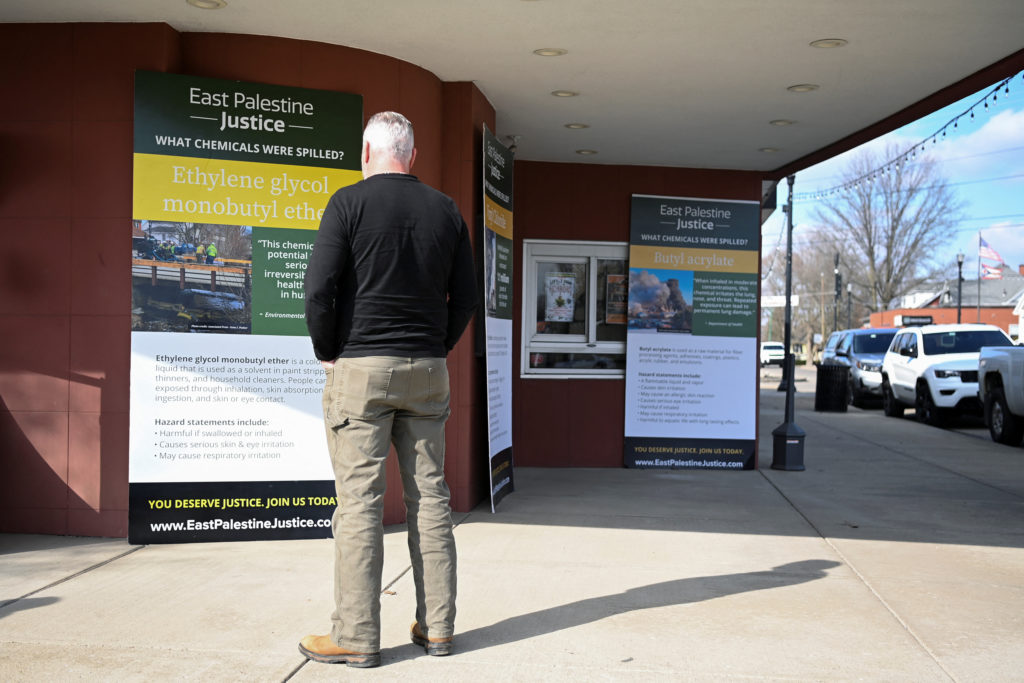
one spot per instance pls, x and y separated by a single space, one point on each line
390 287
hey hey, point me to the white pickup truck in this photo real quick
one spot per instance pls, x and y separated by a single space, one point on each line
1001 391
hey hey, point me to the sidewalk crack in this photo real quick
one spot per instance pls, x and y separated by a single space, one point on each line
863 579
12 601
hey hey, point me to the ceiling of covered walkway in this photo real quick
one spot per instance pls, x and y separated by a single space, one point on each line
692 83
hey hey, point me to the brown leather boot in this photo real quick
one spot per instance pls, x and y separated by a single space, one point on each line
435 647
323 649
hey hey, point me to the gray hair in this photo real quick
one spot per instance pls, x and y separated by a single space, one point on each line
390 131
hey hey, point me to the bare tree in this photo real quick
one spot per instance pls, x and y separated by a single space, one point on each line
188 233
888 225
233 241
236 241
813 283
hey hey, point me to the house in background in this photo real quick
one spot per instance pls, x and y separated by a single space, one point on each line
996 302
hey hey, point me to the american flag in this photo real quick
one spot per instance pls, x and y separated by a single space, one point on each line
985 251
991 272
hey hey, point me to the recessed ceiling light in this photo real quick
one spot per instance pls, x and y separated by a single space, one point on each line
207 4
550 52
586 152
577 126
803 87
829 42
564 93
782 122
769 150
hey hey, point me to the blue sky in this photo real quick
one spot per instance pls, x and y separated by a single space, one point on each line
983 160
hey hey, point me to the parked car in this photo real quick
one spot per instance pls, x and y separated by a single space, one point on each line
934 368
144 247
772 353
862 350
1001 392
828 352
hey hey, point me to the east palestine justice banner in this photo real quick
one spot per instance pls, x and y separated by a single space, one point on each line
498 161
691 342
226 433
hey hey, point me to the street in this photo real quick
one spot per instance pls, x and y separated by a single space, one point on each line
806 377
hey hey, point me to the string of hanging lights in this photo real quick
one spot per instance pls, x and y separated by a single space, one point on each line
909 155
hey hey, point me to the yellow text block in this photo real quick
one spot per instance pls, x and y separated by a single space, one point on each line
180 189
710 260
497 218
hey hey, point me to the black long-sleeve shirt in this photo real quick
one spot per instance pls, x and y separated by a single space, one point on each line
391 273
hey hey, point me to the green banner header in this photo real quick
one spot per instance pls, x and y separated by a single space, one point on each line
694 223
201 117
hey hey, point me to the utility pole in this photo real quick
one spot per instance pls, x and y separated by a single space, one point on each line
960 284
821 304
849 303
839 294
979 276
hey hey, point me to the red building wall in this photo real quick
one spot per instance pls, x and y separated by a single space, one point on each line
579 423
65 216
65 289
1002 316
65 210
466 111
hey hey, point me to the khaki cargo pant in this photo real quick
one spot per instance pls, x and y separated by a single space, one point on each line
368 404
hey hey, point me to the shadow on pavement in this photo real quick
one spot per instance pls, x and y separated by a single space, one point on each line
663 594
9 607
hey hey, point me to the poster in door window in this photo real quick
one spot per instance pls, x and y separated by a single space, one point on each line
615 299
559 297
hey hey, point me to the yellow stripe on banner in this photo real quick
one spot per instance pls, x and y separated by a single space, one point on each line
178 189
710 260
497 218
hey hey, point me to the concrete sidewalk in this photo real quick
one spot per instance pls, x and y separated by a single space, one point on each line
897 555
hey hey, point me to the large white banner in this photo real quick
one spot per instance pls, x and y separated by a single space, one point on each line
230 180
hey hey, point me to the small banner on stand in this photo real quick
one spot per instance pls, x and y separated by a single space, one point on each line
497 235
691 342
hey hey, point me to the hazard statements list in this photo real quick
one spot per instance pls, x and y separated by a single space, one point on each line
672 389
193 385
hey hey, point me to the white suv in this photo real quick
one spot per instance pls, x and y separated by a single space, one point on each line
772 353
935 369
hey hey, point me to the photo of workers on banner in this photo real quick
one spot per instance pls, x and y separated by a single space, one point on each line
191 277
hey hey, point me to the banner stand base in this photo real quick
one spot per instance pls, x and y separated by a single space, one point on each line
788 448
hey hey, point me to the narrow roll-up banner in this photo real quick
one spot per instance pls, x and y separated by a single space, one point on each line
497 289
691 342
226 431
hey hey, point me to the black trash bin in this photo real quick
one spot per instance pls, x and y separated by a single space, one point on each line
831 387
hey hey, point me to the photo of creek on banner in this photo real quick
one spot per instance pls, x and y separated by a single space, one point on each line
226 430
691 342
